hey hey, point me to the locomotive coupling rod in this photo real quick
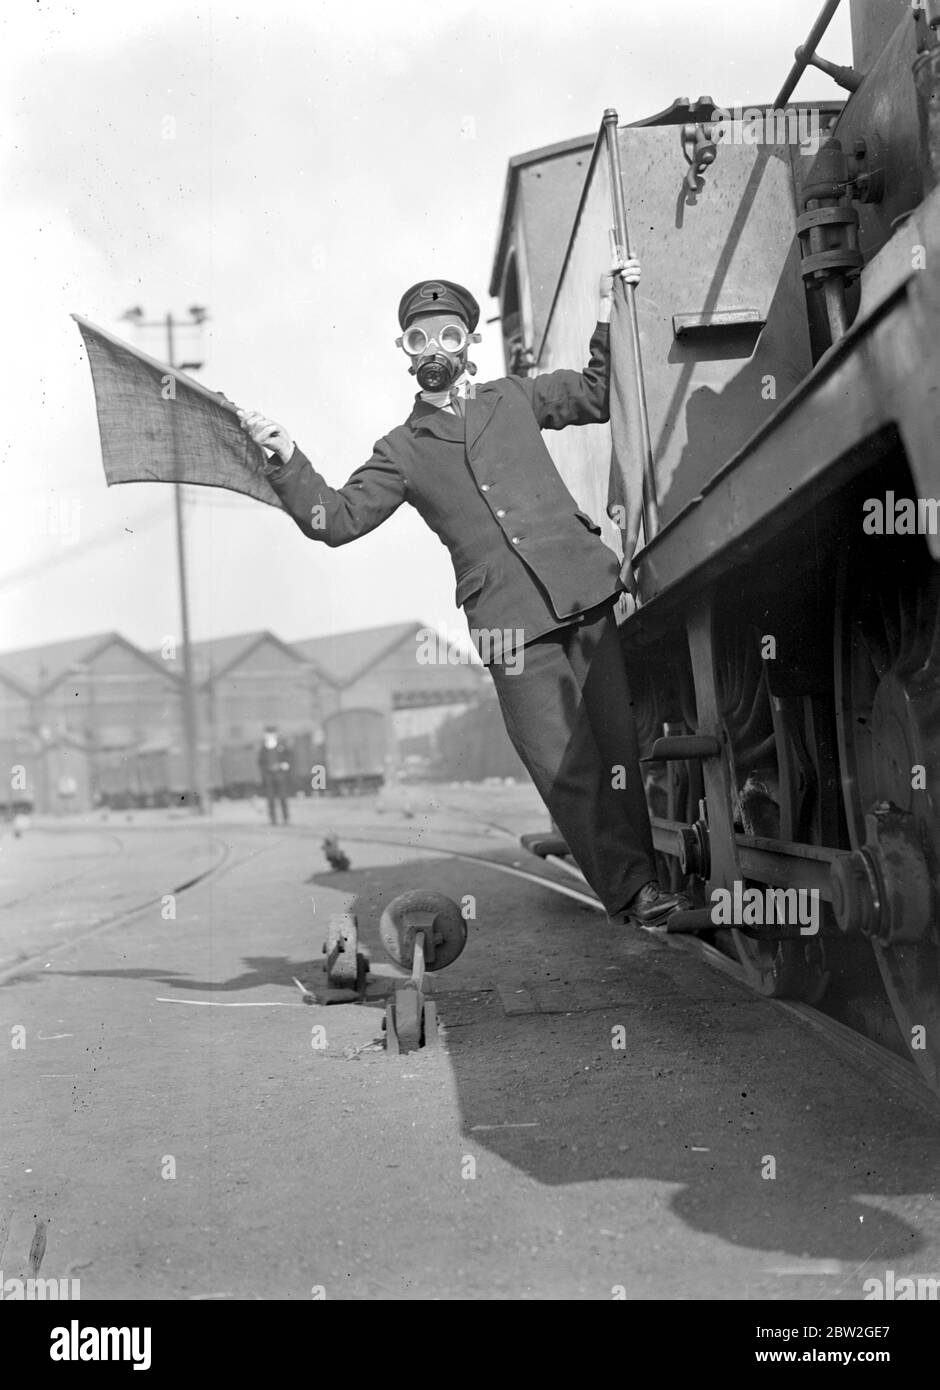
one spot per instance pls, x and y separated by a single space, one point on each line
640 442
806 51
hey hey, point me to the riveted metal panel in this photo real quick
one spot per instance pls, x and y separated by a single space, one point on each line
728 247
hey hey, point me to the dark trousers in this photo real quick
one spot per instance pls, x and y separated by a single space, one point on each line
275 791
567 712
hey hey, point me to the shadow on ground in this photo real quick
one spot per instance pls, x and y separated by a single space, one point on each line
710 1087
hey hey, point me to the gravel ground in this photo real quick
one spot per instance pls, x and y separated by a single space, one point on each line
602 1120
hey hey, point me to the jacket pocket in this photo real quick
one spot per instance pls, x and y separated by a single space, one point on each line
469 584
591 525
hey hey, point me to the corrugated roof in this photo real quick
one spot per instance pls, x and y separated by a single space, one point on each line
346 655
339 657
33 667
219 654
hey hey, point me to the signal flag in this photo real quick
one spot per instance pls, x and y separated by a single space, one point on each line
625 490
158 425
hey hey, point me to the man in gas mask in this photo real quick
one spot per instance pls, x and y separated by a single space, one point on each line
533 576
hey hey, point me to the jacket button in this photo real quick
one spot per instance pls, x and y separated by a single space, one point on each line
484 487
516 540
500 511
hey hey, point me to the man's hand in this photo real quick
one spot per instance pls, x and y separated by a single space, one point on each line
628 578
272 437
629 272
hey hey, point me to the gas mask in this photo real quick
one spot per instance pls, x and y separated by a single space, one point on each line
437 345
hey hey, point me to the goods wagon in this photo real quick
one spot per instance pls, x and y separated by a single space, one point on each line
356 744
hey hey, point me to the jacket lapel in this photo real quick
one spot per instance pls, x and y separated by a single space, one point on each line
480 407
438 422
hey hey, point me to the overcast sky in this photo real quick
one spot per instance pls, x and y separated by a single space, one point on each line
293 167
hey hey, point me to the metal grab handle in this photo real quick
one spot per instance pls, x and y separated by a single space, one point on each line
638 425
806 51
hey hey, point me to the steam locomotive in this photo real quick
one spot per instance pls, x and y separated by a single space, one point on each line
781 369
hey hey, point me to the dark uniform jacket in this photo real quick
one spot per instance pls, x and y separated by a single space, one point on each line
274 762
524 555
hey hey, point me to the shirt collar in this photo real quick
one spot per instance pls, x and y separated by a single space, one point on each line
441 399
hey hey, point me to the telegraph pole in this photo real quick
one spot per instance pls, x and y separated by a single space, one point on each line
190 707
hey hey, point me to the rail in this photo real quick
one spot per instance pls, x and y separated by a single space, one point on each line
807 51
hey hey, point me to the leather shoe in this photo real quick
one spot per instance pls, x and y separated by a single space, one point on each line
652 906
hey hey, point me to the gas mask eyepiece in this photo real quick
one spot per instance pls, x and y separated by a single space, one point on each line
452 337
438 353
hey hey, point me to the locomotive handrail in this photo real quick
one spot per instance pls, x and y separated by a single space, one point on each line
607 138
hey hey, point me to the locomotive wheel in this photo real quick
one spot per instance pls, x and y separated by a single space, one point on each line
787 969
887 672
783 969
799 970
406 915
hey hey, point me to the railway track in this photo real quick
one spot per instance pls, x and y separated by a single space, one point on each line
878 1061
224 858
70 879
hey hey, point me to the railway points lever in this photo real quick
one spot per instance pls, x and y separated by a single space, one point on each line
424 932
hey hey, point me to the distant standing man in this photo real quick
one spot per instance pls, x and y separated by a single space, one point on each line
274 762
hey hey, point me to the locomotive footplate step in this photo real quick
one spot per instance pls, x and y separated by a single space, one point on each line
691 920
544 843
426 932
